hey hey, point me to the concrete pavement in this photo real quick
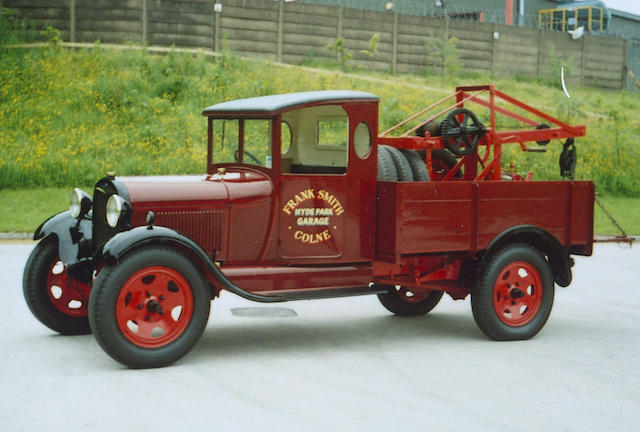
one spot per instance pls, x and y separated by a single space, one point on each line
343 364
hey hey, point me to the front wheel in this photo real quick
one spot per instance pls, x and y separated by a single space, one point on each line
149 309
57 300
514 294
403 302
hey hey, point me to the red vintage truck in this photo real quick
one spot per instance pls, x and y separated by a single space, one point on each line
304 199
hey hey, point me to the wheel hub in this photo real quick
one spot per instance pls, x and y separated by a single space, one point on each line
154 307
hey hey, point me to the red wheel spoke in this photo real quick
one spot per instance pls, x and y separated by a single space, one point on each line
526 282
67 296
171 300
130 313
145 329
528 300
56 279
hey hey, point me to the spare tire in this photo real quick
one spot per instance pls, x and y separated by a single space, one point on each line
442 161
417 164
386 168
400 162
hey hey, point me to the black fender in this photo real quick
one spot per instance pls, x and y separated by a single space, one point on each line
126 241
557 255
74 240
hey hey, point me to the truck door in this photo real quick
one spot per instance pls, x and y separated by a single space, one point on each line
327 189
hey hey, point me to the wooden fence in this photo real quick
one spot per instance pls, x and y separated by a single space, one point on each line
295 32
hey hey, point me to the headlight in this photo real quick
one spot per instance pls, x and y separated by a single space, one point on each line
116 206
80 203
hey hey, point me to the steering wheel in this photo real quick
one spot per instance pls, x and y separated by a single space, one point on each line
236 156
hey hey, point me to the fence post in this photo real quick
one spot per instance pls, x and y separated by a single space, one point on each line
494 48
540 52
625 60
280 30
583 62
445 35
339 28
72 21
217 13
394 47
145 23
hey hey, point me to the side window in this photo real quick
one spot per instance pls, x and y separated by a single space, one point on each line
315 140
225 141
286 149
332 134
285 137
257 142
362 140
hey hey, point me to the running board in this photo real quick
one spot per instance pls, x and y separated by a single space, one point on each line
313 294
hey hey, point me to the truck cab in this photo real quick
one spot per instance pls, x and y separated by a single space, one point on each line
317 150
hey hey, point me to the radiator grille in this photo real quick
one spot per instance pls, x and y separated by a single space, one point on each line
202 226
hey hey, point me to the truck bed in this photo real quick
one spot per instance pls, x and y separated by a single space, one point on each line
433 217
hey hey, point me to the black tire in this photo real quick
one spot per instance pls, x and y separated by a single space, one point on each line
400 162
417 164
35 287
394 301
104 306
386 168
501 308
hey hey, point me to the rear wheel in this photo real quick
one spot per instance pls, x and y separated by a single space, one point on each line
402 301
149 309
514 294
55 299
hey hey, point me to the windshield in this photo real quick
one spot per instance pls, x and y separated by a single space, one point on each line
246 141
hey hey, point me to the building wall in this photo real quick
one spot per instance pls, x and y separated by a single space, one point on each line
625 25
293 32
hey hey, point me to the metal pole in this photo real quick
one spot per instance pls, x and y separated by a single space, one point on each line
521 14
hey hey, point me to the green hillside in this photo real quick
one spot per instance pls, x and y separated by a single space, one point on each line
67 117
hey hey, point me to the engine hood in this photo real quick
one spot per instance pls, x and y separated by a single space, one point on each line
165 191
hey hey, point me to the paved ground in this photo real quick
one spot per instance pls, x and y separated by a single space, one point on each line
342 364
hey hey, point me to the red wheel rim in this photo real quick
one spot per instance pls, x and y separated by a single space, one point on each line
409 296
68 295
517 293
154 307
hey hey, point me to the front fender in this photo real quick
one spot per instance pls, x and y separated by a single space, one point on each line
74 239
126 241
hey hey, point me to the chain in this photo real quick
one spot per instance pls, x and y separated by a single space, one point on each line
615 222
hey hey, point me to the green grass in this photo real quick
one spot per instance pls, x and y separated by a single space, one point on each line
625 210
67 117
24 209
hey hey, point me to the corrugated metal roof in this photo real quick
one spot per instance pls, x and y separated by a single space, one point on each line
274 103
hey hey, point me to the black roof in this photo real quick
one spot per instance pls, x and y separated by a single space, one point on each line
282 102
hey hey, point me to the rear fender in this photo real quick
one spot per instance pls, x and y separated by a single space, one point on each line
127 241
542 240
74 240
